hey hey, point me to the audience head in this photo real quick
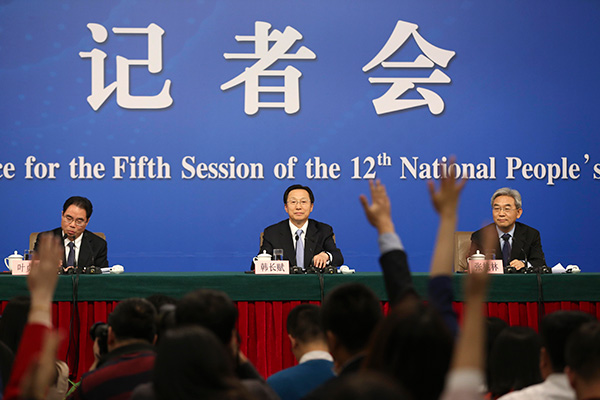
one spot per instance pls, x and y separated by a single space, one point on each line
304 330
304 325
192 363
365 386
13 321
555 330
413 339
583 355
350 313
165 312
209 308
494 326
514 360
132 319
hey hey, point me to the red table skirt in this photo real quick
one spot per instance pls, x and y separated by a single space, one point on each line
261 325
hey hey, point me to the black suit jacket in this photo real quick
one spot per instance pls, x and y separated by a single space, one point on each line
318 238
526 244
93 249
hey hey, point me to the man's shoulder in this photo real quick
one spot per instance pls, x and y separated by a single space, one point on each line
478 232
320 226
92 237
138 361
556 386
521 227
278 226
306 368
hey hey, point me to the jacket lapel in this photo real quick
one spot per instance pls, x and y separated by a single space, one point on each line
310 242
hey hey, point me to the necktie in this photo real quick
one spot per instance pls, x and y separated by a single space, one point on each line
71 258
299 249
506 249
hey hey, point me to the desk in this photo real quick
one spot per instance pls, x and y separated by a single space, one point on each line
264 302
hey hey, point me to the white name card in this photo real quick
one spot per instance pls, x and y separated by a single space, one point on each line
272 267
494 266
20 267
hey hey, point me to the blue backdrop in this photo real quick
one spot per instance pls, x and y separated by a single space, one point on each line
514 92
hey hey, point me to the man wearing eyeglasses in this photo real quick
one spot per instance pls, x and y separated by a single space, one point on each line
304 241
518 245
83 249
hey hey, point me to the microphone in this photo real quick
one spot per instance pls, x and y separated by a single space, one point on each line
69 269
92 268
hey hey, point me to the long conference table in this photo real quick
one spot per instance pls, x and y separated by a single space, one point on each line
263 303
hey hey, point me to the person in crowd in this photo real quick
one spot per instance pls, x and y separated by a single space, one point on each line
415 337
555 329
467 369
34 372
214 310
494 326
192 363
315 364
82 248
518 245
12 324
365 386
13 321
131 354
304 241
349 314
514 361
583 361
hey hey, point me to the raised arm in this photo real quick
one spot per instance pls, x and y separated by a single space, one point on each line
445 202
31 372
394 264
466 375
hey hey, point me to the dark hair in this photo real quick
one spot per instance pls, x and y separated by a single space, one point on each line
294 187
80 202
304 324
363 386
514 360
133 319
13 321
555 330
351 311
494 326
583 351
191 363
413 339
158 300
209 308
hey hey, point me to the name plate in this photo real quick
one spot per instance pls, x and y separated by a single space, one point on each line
20 267
272 267
494 266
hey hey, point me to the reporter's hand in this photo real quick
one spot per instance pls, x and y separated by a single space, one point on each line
445 200
379 212
43 276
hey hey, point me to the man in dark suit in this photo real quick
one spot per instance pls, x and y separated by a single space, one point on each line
83 249
518 244
315 238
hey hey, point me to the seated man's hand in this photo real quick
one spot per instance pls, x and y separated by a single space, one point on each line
320 260
518 264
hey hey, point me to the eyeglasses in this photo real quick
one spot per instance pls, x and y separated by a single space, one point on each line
294 203
71 220
506 209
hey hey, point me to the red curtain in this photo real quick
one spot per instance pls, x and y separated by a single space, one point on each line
261 325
